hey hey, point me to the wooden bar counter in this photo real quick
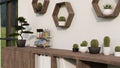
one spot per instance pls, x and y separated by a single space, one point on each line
16 57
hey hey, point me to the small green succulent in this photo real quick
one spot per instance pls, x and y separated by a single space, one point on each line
117 49
84 43
107 6
75 45
94 43
62 18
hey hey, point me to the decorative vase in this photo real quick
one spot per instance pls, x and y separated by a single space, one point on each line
107 12
117 54
106 50
83 49
94 50
61 23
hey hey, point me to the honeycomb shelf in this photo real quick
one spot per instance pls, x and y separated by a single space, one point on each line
99 12
43 9
70 14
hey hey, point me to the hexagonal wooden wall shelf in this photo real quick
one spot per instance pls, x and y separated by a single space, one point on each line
44 6
70 14
99 12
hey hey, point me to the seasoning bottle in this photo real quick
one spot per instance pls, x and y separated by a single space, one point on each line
46 33
39 33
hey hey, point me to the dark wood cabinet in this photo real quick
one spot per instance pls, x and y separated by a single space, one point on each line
8 58
16 57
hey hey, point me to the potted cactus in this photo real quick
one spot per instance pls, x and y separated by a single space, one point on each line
61 21
94 49
106 48
107 9
83 46
117 51
20 29
75 48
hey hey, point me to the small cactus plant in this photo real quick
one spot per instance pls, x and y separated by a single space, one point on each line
62 18
106 41
75 45
75 48
117 49
84 43
94 43
107 6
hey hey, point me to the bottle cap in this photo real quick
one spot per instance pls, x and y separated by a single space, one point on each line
39 30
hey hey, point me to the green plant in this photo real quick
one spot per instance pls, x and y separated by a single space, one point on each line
94 43
39 5
84 43
117 49
20 29
107 6
61 18
75 45
106 41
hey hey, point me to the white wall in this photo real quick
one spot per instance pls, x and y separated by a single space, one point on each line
85 25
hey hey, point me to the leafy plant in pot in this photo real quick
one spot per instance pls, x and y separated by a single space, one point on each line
20 29
75 48
117 51
83 46
107 10
61 21
94 49
106 48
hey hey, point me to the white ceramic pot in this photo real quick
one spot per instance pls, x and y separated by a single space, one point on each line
106 50
117 54
83 49
61 23
107 12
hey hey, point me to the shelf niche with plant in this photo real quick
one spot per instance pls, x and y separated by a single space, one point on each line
100 13
70 14
40 8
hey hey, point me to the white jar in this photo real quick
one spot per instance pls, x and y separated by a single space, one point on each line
107 12
117 54
61 23
106 50
83 49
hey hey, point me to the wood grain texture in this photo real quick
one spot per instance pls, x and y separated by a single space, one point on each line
25 58
97 58
8 58
53 62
